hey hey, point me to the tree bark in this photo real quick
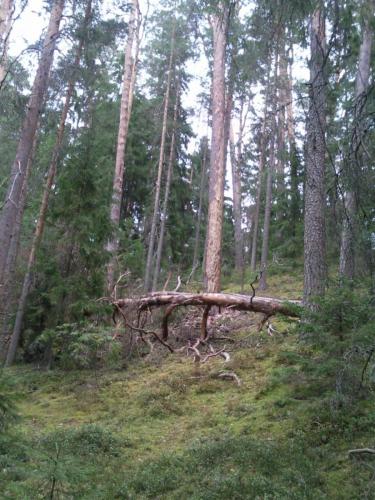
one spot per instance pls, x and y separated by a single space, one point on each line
314 237
7 293
150 252
200 206
118 179
348 236
237 211
294 193
18 172
265 305
267 210
6 10
51 174
164 212
212 271
262 151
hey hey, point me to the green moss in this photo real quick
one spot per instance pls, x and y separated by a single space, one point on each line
175 430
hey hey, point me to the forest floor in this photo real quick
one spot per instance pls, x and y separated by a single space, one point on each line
164 427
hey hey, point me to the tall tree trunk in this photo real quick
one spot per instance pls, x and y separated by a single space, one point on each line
267 211
150 252
262 150
7 295
293 159
6 9
38 234
212 272
281 118
11 205
237 212
200 206
118 179
314 237
164 212
348 236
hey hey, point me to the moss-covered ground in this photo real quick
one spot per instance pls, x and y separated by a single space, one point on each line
167 428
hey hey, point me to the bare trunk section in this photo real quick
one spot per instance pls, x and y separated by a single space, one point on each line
266 305
262 148
294 193
6 10
212 272
237 212
267 212
150 252
200 207
281 118
348 236
164 212
18 172
118 179
7 294
314 237
38 234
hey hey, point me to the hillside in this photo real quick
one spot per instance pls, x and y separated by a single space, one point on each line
165 427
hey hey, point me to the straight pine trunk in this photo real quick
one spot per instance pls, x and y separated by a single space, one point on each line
212 272
151 245
314 218
200 207
128 83
262 151
38 234
12 205
237 211
8 292
348 236
267 212
164 212
293 160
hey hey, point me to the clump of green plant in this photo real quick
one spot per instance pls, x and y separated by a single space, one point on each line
79 345
340 334
89 439
229 467
8 396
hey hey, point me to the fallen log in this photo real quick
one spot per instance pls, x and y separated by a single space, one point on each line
266 305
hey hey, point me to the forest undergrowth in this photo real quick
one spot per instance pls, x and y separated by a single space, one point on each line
163 426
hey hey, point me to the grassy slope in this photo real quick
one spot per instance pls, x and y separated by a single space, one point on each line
171 431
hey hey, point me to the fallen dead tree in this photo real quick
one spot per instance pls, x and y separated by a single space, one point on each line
265 305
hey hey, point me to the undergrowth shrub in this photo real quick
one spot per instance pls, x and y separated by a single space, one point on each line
79 345
8 397
340 336
229 467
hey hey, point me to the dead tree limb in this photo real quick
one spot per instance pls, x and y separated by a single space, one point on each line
266 305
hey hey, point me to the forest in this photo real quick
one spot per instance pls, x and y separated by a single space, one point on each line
187 249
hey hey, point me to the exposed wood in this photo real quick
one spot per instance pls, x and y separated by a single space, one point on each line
265 305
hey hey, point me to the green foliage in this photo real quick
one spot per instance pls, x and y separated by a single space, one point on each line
229 467
79 346
8 397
